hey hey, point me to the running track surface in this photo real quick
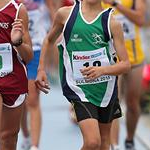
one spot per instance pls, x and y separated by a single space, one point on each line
58 132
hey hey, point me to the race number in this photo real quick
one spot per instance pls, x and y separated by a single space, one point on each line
81 59
6 62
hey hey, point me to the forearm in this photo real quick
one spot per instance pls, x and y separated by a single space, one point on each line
25 51
132 15
47 46
117 69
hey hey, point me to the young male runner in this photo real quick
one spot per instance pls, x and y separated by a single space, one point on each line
131 14
88 72
15 52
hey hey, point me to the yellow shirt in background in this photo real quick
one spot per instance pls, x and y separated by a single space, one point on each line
131 34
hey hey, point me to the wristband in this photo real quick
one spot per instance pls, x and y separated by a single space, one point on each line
18 43
114 3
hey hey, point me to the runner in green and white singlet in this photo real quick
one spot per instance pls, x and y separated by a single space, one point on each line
87 46
88 71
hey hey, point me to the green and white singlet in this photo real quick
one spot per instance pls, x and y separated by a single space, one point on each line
86 44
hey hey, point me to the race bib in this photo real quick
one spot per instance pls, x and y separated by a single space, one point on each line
6 61
128 27
81 59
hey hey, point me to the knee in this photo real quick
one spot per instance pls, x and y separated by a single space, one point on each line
8 139
133 108
92 144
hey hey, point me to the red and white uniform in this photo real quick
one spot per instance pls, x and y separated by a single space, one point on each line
13 79
68 2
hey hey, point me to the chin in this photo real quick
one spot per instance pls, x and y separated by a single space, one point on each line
92 1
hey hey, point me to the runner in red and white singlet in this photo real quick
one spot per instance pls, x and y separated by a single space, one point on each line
15 52
16 81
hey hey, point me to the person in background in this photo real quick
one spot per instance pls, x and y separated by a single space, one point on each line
39 21
15 53
131 14
145 32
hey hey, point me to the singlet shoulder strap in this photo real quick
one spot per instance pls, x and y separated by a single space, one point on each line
17 6
106 24
71 21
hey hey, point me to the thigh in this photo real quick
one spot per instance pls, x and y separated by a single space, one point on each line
133 83
33 94
11 118
105 129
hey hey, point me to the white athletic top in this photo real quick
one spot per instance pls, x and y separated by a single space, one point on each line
39 22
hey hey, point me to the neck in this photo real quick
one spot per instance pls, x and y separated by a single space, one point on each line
92 6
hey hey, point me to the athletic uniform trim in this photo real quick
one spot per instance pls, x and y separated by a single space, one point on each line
67 77
64 28
106 23
17 15
102 12
17 101
6 5
70 22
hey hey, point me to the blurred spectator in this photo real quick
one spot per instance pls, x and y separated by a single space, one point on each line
39 24
145 32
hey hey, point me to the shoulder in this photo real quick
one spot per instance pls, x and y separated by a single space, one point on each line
114 24
22 11
63 13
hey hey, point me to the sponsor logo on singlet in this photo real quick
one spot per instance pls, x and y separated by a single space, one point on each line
4 25
76 38
86 57
97 38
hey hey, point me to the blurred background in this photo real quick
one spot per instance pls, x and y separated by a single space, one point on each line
59 131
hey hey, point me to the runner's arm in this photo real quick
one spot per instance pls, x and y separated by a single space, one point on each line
123 66
25 49
50 39
136 15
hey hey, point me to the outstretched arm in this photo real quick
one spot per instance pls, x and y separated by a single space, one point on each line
48 44
136 15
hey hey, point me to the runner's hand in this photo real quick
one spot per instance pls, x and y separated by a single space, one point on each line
91 73
17 31
42 82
